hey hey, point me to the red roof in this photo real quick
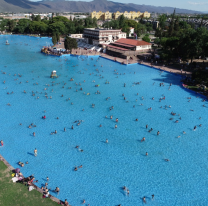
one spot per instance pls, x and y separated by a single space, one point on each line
132 42
115 47
121 44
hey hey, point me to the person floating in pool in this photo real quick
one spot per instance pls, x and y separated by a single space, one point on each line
21 164
35 152
2 143
57 190
150 130
144 200
116 126
143 139
44 117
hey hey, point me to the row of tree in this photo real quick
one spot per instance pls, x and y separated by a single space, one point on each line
178 39
124 24
59 24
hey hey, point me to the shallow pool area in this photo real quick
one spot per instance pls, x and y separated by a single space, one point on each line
100 89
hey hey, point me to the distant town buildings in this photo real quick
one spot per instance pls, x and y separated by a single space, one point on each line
130 15
24 15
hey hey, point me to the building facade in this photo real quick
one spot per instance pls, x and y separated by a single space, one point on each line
101 15
108 15
96 36
97 15
132 14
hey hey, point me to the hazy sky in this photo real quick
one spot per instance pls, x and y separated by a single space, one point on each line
196 5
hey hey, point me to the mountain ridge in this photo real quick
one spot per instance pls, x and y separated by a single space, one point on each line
81 6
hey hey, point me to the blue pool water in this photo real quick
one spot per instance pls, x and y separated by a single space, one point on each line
107 167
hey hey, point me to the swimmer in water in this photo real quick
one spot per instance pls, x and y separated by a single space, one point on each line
144 200
35 152
143 139
150 130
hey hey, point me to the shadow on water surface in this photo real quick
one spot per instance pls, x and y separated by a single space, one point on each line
167 78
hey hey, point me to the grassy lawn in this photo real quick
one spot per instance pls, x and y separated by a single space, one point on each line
16 194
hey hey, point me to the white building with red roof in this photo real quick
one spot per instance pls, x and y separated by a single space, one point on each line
133 44
127 47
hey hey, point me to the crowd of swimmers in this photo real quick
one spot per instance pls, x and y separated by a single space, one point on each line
78 122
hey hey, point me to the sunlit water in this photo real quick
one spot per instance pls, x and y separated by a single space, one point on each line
107 167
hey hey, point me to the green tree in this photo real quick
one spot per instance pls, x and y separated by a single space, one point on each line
157 41
60 19
122 21
171 26
37 18
32 17
11 24
71 29
162 19
149 27
146 38
54 39
141 29
57 27
38 27
70 43
23 26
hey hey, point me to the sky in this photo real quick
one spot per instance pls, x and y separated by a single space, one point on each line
196 5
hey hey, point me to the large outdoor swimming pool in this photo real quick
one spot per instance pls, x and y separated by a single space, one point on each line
107 167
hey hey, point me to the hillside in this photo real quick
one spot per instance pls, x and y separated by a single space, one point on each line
80 6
